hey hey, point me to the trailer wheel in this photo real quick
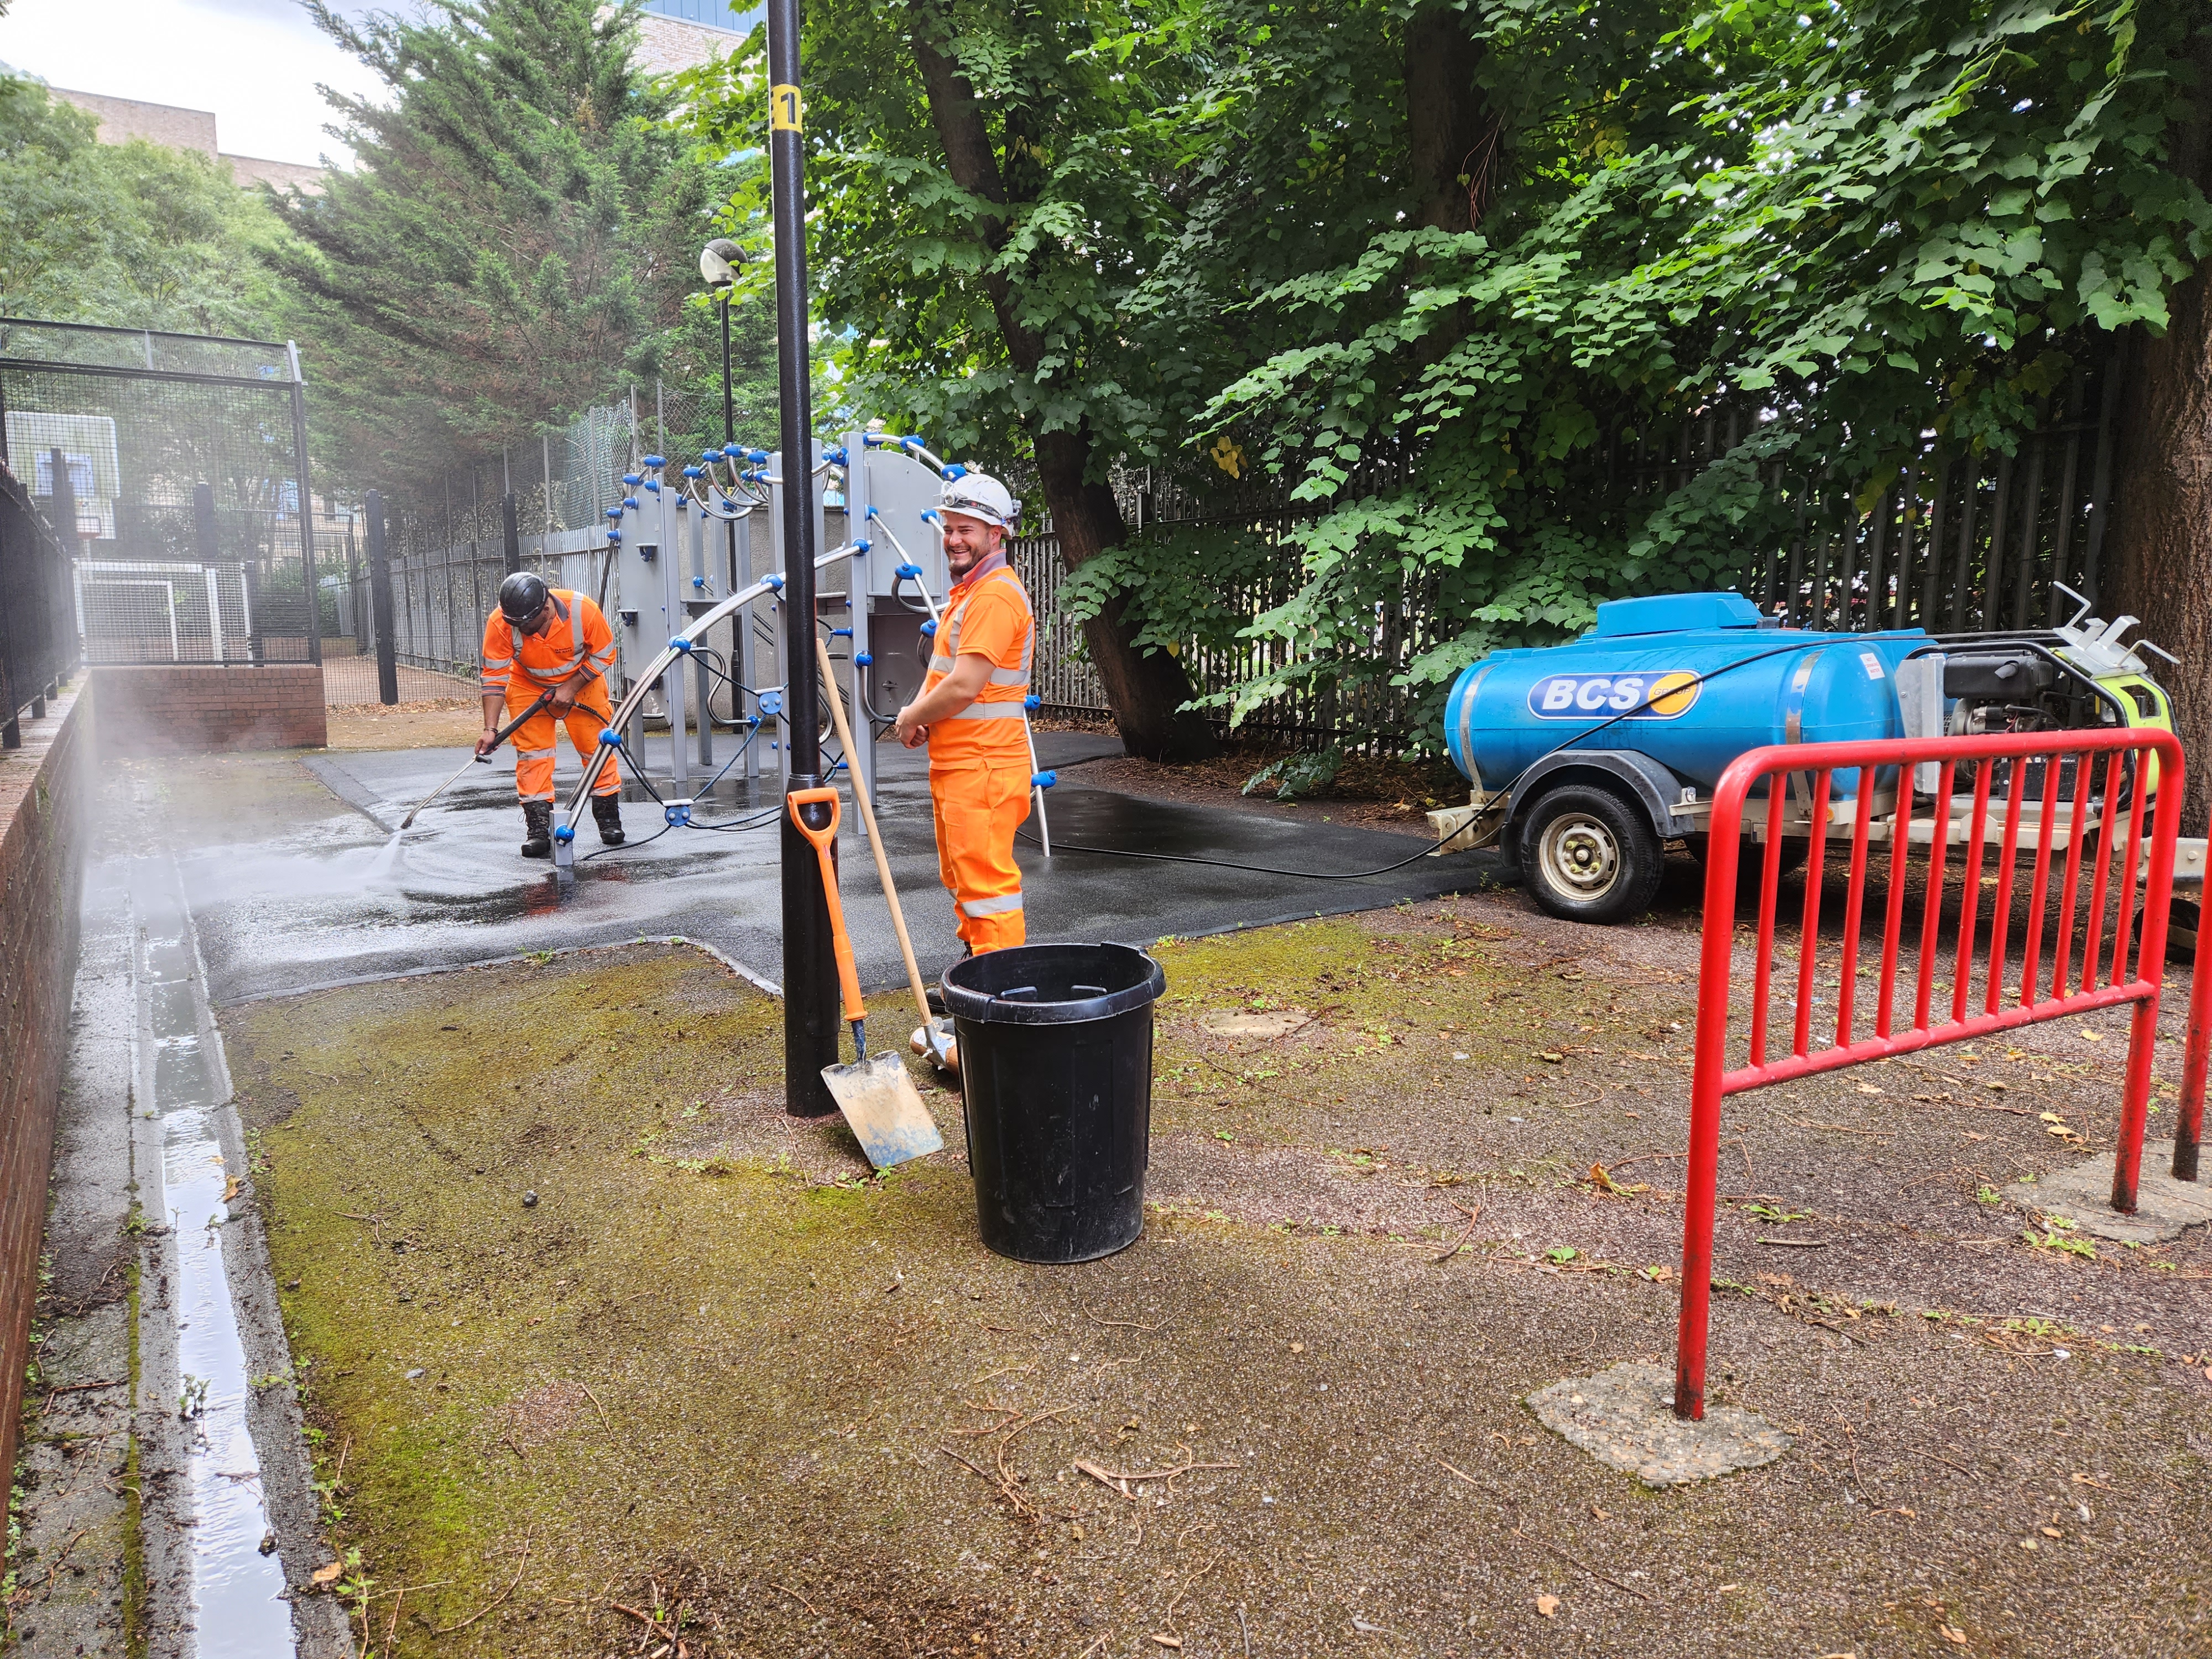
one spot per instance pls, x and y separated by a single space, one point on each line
1588 855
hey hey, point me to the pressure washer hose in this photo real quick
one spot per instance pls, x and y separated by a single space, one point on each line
1674 690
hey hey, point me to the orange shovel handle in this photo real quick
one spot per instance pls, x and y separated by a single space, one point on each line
848 976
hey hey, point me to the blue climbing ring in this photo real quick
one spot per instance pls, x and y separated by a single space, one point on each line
1044 780
608 738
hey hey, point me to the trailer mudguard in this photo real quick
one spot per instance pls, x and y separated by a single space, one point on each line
1631 771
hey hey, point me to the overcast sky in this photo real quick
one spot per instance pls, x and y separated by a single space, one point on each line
255 63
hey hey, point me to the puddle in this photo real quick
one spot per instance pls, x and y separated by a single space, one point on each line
239 1613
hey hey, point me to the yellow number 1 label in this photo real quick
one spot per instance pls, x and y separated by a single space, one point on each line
783 109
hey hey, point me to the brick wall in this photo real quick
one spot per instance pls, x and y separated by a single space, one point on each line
166 708
42 813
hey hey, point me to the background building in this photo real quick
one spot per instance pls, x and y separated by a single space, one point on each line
122 119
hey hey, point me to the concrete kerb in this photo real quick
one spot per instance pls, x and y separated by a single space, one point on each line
756 981
1625 1417
2083 1195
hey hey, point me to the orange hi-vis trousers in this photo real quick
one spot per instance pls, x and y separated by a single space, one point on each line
979 803
534 743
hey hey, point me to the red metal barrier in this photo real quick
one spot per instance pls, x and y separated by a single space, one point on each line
1806 782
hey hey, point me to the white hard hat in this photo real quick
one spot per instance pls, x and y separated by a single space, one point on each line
980 496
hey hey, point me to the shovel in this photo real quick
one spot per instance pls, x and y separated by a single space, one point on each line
505 733
877 1097
941 1054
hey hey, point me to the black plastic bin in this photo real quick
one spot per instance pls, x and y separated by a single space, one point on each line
1056 1065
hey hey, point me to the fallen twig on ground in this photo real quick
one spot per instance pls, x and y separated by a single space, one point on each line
605 1422
518 1568
1167 1618
1125 1324
1845 1128
1466 1232
1119 1481
796 1596
1605 1578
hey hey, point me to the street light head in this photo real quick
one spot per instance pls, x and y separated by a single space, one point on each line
718 262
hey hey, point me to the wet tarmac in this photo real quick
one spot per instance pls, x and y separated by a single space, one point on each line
293 887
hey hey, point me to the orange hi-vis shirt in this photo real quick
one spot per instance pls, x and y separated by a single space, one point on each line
578 638
988 614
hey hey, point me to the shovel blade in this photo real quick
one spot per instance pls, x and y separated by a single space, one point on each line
883 1110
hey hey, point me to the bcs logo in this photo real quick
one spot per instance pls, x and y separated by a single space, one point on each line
1583 696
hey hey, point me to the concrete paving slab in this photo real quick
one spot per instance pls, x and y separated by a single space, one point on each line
2083 1195
1625 1417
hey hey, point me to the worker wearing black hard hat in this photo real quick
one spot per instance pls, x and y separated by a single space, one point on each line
549 639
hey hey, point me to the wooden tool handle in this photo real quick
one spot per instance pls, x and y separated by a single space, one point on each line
875 839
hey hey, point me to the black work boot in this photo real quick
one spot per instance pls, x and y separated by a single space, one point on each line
537 828
606 812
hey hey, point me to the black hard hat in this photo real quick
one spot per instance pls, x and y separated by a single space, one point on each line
522 595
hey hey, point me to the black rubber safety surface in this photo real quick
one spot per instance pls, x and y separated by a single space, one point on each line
310 893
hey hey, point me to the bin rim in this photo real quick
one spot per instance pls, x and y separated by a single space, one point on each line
986 1008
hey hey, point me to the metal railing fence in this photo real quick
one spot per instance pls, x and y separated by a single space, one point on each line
185 458
40 646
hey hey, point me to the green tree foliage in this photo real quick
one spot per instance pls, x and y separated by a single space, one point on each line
521 226
130 235
1900 218
1033 220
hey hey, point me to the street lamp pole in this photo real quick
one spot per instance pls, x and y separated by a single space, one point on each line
729 422
810 1022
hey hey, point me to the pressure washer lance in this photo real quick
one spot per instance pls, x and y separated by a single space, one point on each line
484 759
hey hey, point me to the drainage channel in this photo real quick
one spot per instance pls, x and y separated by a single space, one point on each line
195 1371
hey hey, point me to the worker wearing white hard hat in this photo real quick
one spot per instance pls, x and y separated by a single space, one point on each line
970 714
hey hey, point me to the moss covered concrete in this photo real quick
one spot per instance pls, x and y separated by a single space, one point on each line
719 1381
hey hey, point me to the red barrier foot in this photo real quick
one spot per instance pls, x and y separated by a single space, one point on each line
2083 1195
1625 1417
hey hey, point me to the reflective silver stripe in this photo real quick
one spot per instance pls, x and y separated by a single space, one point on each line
548 795
990 907
499 662
1010 676
990 711
533 754
940 665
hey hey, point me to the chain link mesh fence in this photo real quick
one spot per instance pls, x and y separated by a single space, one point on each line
184 461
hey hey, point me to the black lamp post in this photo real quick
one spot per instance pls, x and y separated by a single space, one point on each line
718 263
811 1025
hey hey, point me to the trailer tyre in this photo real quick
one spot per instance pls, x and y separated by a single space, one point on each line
1588 855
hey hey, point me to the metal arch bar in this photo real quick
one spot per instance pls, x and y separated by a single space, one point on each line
660 664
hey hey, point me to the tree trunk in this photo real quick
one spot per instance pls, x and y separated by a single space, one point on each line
1145 693
1451 139
2162 493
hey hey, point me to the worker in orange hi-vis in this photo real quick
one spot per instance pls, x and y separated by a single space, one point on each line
971 714
544 638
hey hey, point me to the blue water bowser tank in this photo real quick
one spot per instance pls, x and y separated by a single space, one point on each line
1719 679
